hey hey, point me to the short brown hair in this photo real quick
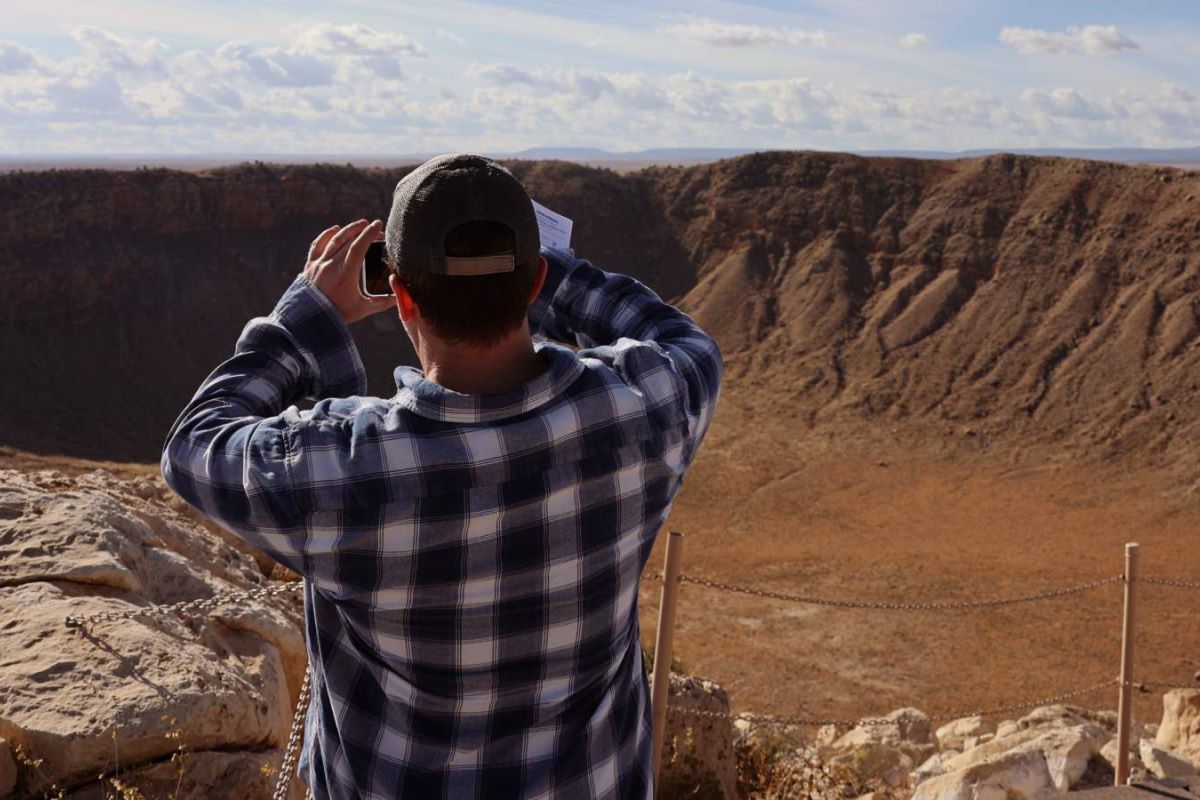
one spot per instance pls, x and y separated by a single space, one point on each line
477 309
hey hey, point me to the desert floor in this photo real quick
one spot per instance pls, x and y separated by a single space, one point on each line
854 515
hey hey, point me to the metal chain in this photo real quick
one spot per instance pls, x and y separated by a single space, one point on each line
1158 686
894 606
768 719
287 769
1171 582
186 606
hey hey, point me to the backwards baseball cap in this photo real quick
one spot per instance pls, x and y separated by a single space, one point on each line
448 191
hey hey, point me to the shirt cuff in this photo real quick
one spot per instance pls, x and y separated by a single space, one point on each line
329 353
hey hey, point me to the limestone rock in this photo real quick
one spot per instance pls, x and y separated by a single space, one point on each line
1068 751
827 735
1066 717
933 765
990 750
698 759
1015 775
1109 754
204 775
1162 763
124 693
1063 755
905 727
1007 728
953 735
1180 728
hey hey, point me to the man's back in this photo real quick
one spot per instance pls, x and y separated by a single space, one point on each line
471 562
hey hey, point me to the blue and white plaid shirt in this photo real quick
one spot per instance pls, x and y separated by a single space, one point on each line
471 563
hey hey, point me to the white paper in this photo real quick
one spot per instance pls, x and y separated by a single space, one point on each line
553 229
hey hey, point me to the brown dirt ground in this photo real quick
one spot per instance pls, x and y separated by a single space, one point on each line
854 514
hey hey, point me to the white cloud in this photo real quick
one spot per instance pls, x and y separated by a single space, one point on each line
582 87
1092 40
718 34
321 86
356 40
15 59
1067 102
275 66
104 50
914 40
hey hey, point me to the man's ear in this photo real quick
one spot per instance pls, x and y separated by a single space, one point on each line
405 305
540 281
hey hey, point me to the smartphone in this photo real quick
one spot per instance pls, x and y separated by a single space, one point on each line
374 278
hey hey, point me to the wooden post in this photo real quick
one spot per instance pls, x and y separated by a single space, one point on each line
663 641
1128 637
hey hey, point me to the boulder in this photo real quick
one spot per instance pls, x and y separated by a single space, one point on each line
1010 776
933 765
989 750
907 731
1109 754
1063 716
1062 754
953 735
904 728
1162 763
122 694
1180 727
698 758
1007 728
1068 751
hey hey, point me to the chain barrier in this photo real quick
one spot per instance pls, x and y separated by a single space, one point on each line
217 600
894 606
802 721
186 606
288 768
1175 584
1161 686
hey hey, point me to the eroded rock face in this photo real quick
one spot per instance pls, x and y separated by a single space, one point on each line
954 735
1180 728
1053 749
85 701
1011 776
1163 763
698 759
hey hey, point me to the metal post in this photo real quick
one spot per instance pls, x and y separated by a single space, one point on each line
663 641
1128 637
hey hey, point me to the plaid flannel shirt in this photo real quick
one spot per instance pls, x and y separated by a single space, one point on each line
471 562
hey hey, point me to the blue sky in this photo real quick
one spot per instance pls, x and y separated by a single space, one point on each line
385 77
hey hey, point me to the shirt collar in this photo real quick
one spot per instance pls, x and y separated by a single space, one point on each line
432 400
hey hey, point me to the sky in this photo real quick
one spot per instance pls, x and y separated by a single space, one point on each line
380 77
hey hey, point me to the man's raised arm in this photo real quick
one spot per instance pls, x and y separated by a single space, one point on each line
582 304
229 452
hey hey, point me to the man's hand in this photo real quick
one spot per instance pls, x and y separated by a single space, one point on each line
334 261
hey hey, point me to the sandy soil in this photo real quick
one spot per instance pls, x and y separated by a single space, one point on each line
855 515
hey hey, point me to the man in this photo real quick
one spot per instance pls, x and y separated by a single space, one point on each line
472 546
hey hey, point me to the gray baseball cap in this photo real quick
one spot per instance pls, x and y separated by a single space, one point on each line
447 191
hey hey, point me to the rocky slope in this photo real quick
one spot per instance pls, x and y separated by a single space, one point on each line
195 705
1013 298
